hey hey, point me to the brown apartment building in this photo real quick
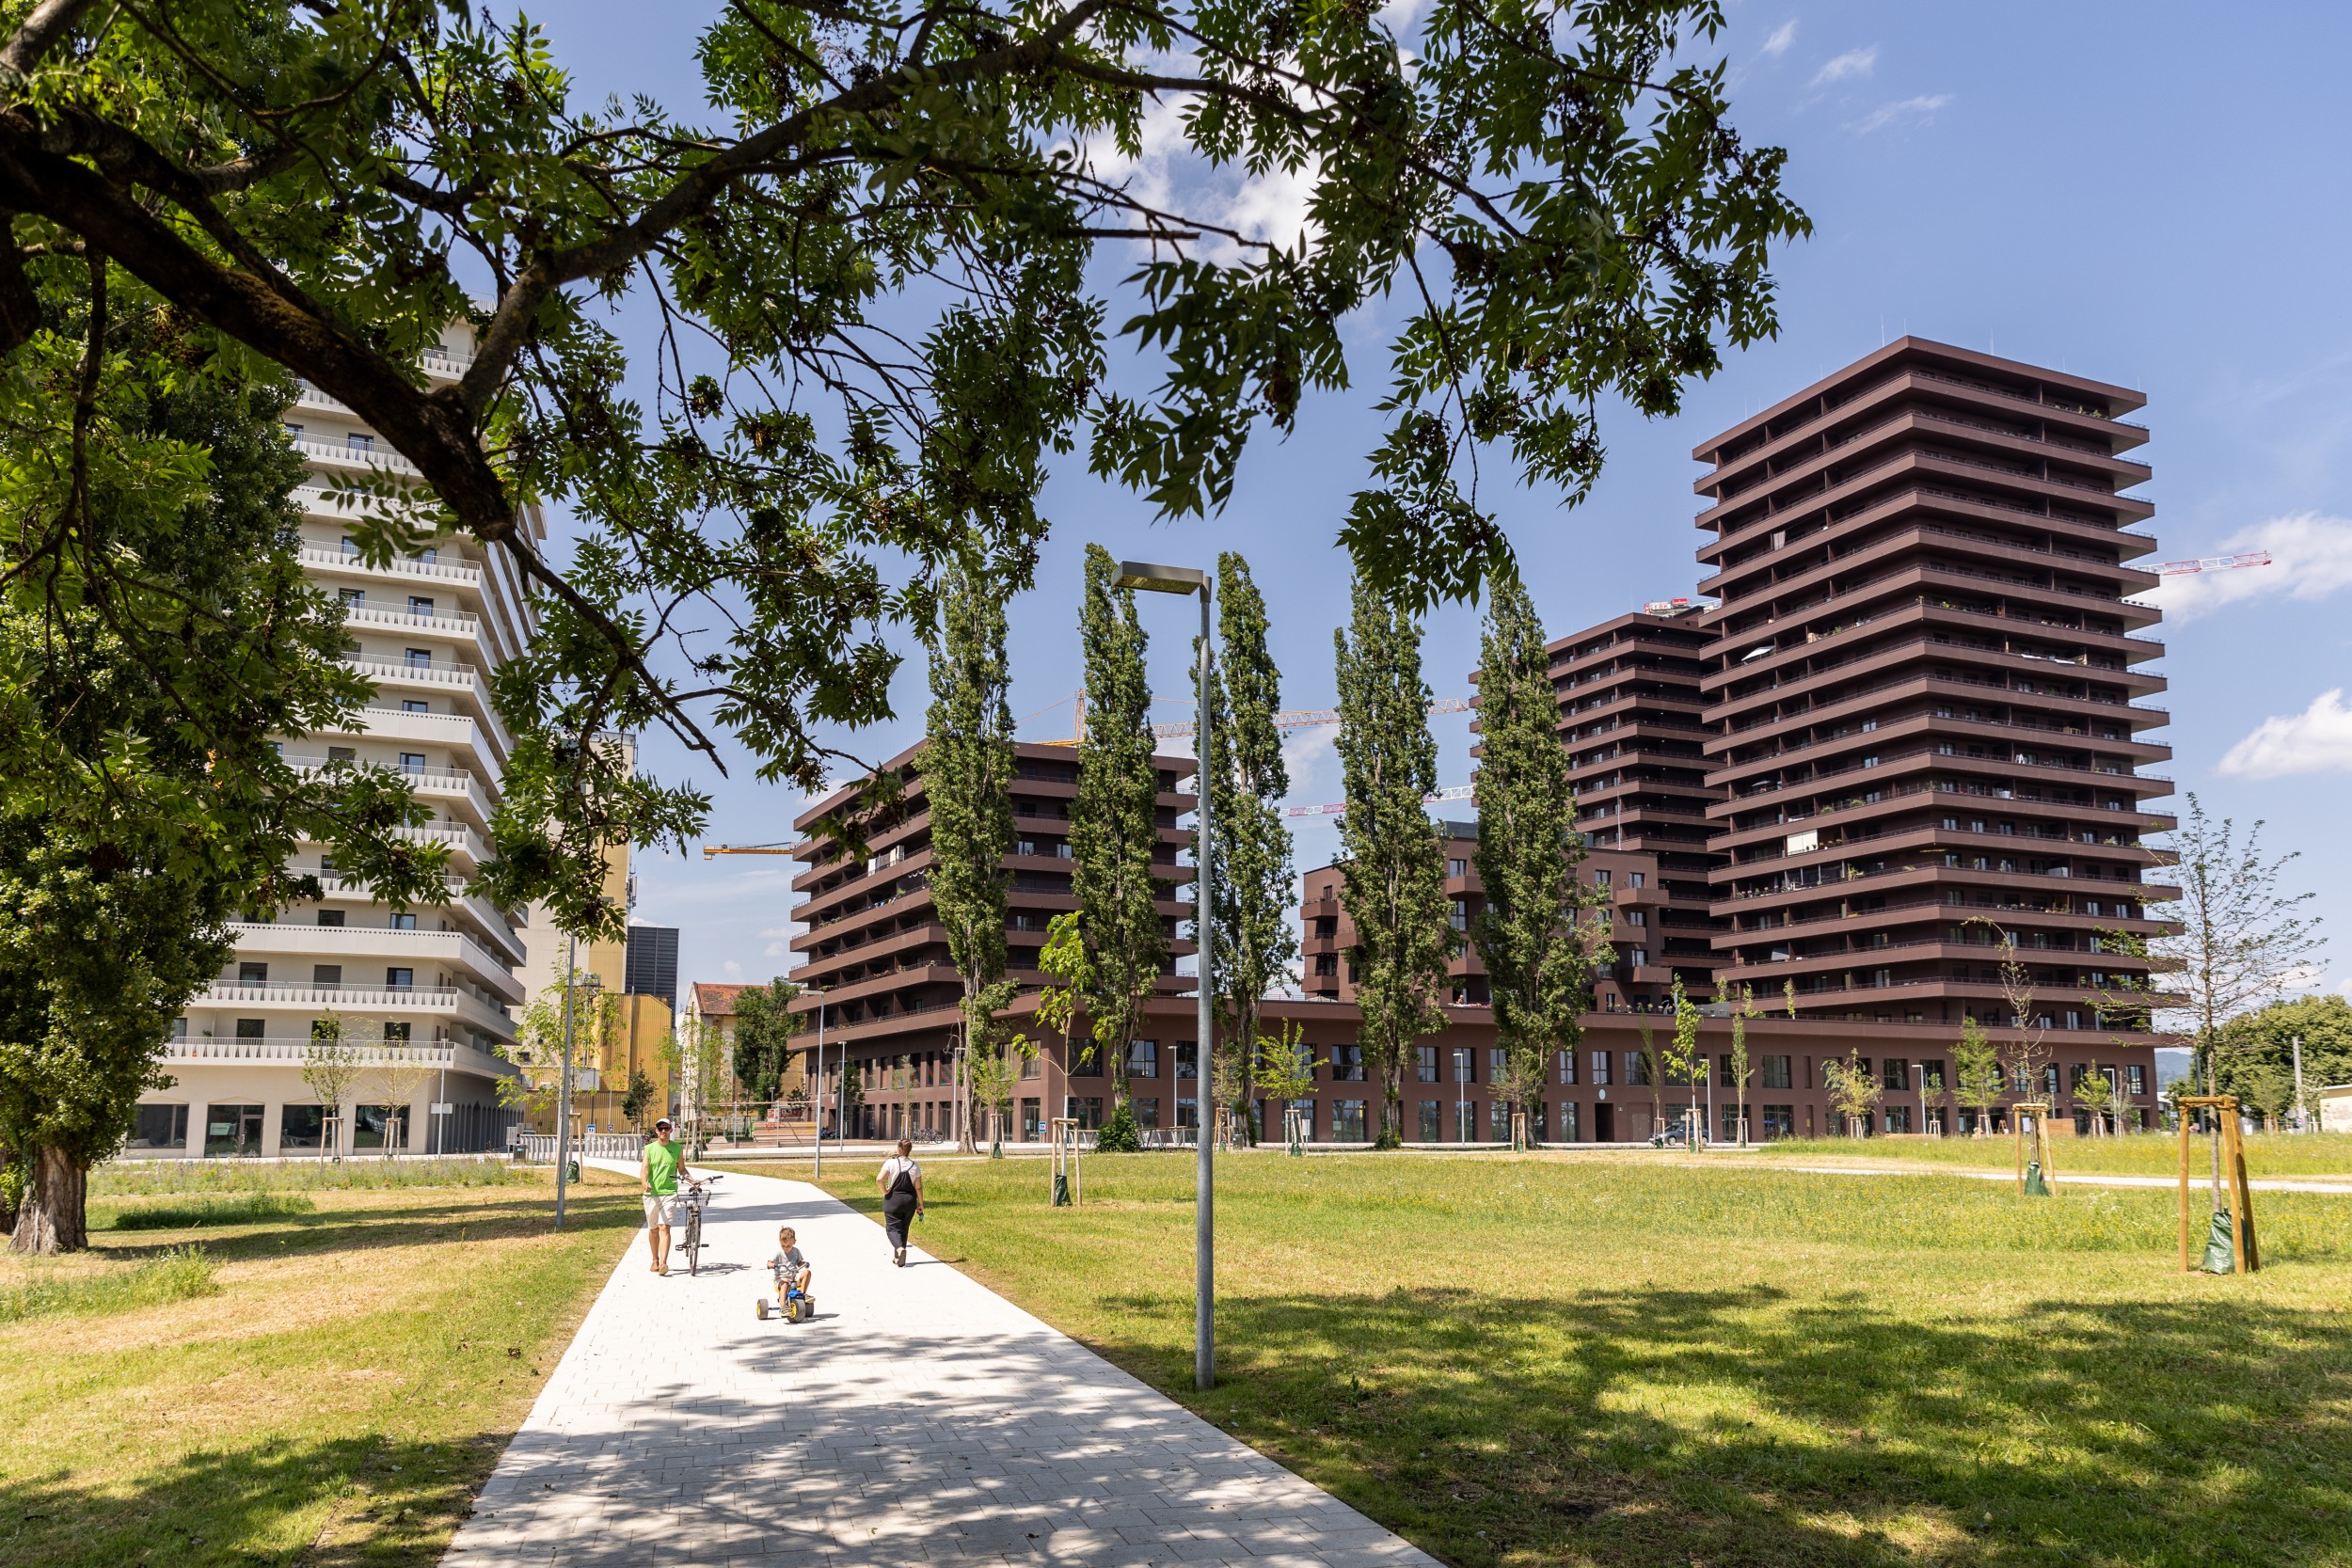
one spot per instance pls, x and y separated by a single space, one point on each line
1907 737
1925 692
875 949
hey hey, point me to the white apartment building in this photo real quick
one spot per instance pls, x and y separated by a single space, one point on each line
428 994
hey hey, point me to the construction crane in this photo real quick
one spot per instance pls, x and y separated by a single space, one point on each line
2210 563
1458 792
710 849
1289 718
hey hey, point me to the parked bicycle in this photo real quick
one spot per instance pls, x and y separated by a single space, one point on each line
695 1197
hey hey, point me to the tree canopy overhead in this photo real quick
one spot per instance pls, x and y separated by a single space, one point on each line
882 242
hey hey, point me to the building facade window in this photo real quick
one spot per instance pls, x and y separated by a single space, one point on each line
1431 1120
1347 1122
1424 1064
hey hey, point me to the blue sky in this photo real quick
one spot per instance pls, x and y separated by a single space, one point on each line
2149 194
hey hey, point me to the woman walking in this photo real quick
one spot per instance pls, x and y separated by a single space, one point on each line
902 1184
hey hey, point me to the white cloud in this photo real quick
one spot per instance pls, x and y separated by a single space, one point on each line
1909 109
1852 64
1167 175
734 969
2316 741
2310 558
1303 754
1782 35
778 936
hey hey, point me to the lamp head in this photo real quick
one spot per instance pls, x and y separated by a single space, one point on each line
1162 579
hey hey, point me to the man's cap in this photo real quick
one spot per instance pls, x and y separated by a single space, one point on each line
661 1121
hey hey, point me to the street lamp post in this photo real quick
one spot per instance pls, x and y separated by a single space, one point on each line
1184 580
563 1081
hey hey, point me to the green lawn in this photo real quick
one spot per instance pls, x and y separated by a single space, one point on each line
2280 1154
329 1382
1544 1360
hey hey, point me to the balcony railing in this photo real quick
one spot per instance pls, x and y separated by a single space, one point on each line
352 560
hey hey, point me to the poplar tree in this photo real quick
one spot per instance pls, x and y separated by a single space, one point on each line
1114 827
1250 918
1538 969
966 764
1393 861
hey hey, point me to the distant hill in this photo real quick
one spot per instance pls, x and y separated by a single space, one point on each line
2171 1062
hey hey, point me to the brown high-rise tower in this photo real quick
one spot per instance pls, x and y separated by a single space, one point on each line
1924 689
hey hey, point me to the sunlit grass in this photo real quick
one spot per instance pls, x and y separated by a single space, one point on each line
2272 1154
1539 1360
181 1274
148 1176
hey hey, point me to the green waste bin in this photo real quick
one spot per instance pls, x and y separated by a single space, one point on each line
2035 1187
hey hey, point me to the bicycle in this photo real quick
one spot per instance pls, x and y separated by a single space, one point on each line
695 1197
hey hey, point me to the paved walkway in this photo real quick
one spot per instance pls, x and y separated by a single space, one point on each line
920 1419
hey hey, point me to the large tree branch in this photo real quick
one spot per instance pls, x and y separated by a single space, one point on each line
38 35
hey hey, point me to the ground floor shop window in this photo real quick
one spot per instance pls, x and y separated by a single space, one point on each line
1306 1109
1087 1109
1147 1110
301 1127
1898 1118
1465 1121
1731 1124
1431 1128
1498 1121
1780 1121
1187 1112
1031 1130
1570 1131
370 1126
232 1130
1348 1121
161 1127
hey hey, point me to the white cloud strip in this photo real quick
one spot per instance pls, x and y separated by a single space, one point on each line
1908 110
2316 741
1853 65
1782 35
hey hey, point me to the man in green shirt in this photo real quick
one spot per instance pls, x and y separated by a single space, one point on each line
658 1173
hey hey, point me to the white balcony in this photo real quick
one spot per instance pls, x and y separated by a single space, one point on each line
450 679
479 747
443 785
493 920
464 574
378 946
293 1050
462 625
343 454
443 1002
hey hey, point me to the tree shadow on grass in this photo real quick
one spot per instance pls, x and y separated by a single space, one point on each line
392 1503
330 1231
1652 1426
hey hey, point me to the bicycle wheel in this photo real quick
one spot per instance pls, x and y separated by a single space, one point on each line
693 1241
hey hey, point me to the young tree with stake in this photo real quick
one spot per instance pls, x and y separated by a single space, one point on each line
1978 1080
1392 861
1853 1090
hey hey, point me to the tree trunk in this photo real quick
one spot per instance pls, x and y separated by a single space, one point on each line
53 1217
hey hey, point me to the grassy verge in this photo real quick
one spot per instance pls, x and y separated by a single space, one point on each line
204 1211
338 1400
2281 1154
1547 1361
182 1274
147 1178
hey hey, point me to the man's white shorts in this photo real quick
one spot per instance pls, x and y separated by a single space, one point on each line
658 1209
